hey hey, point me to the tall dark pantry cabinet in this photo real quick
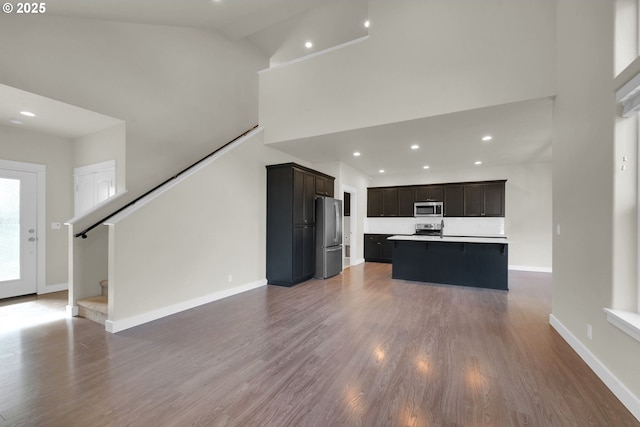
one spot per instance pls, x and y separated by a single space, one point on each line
291 192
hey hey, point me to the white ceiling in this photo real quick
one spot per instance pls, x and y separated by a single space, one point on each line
521 134
521 131
52 117
235 19
277 27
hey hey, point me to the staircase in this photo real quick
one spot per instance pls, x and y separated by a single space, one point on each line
95 308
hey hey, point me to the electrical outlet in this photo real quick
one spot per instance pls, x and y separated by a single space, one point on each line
230 278
56 226
589 331
558 229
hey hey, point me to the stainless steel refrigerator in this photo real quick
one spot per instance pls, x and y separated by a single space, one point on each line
328 237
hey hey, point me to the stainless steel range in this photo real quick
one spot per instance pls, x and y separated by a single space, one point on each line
431 229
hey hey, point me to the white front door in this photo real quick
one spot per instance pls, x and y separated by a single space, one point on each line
18 233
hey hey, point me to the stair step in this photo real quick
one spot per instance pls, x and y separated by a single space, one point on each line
94 308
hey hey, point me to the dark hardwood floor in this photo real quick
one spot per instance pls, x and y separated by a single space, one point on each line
359 349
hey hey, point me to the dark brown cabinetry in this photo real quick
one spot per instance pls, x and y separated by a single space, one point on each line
377 248
303 252
453 200
485 198
430 192
324 186
382 202
303 197
406 199
291 193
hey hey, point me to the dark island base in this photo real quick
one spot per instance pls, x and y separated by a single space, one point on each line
482 265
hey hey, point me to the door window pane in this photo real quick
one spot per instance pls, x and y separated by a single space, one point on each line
9 229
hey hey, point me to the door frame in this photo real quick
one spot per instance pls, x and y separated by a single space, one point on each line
41 244
353 241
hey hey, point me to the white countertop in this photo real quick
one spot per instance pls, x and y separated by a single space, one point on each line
463 239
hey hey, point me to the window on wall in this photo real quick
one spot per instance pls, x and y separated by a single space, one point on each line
627 22
625 313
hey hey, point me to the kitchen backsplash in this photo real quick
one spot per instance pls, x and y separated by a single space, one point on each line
486 227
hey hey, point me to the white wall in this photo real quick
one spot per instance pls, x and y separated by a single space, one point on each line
585 164
182 92
421 59
528 206
56 154
183 245
285 41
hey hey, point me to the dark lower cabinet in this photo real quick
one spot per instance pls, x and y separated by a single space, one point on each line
377 248
303 252
483 265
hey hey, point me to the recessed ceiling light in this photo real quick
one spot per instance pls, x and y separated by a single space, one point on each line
15 121
381 171
27 113
308 45
367 23
478 162
425 167
356 154
487 138
415 146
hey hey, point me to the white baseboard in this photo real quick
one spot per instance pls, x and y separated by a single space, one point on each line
357 261
53 288
530 268
628 399
72 310
130 322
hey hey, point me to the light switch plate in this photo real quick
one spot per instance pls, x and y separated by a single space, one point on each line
55 226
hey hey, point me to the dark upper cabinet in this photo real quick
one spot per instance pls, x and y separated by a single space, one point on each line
473 200
494 199
430 192
320 184
390 202
382 201
406 198
375 203
303 197
291 193
453 200
324 186
484 199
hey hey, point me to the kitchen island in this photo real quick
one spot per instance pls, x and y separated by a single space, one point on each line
455 260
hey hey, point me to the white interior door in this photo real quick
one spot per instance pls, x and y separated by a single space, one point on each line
93 184
18 233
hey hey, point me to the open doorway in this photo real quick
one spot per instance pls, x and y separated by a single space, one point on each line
348 226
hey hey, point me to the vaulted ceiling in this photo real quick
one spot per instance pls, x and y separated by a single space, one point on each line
279 28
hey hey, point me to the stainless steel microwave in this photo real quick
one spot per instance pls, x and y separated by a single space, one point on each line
427 209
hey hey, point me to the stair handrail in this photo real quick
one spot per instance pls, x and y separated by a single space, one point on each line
84 232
